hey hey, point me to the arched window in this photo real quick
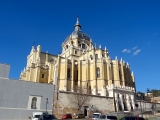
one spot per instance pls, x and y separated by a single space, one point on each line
98 72
34 102
68 73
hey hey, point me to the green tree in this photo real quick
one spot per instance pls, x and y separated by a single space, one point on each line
155 92
148 90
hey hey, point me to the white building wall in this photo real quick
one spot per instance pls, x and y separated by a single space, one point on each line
16 95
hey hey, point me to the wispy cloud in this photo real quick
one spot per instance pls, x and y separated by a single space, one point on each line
133 50
135 47
136 52
126 50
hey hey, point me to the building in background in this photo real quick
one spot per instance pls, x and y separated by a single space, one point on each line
83 64
18 99
4 70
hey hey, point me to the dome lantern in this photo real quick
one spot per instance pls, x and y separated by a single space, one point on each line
77 25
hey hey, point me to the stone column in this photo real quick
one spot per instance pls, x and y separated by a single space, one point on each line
122 71
55 75
128 103
72 79
121 99
109 72
133 101
116 101
66 69
79 74
117 78
103 93
133 80
94 89
87 76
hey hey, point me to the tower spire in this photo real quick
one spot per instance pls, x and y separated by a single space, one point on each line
77 25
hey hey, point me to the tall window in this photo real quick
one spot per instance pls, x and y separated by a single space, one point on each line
91 57
96 56
42 75
77 76
68 73
83 46
120 75
98 72
34 102
75 52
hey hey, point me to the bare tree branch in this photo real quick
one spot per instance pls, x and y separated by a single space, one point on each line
79 98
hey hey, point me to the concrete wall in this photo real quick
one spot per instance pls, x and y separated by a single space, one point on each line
95 104
16 97
147 106
4 70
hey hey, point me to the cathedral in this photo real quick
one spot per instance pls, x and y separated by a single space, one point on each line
83 65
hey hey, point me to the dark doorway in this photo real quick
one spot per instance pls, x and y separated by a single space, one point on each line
131 107
119 105
85 112
125 108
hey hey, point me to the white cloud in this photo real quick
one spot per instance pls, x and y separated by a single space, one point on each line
135 47
126 50
136 52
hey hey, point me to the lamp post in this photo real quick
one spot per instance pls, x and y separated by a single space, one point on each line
46 104
139 96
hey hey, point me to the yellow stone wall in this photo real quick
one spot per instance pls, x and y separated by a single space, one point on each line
41 68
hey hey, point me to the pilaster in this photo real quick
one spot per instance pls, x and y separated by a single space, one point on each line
128 103
72 78
122 72
116 102
79 74
37 74
133 101
109 72
87 75
94 89
65 82
121 99
117 78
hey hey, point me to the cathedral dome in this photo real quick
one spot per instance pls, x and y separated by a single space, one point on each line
77 33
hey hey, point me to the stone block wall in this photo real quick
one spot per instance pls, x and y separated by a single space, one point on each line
96 104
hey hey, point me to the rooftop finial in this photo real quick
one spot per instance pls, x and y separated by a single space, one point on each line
77 25
105 48
132 73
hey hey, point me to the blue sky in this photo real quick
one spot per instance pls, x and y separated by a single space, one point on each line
130 29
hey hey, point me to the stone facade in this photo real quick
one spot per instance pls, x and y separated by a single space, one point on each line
82 64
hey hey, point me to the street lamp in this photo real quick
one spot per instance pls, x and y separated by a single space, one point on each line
46 104
139 96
